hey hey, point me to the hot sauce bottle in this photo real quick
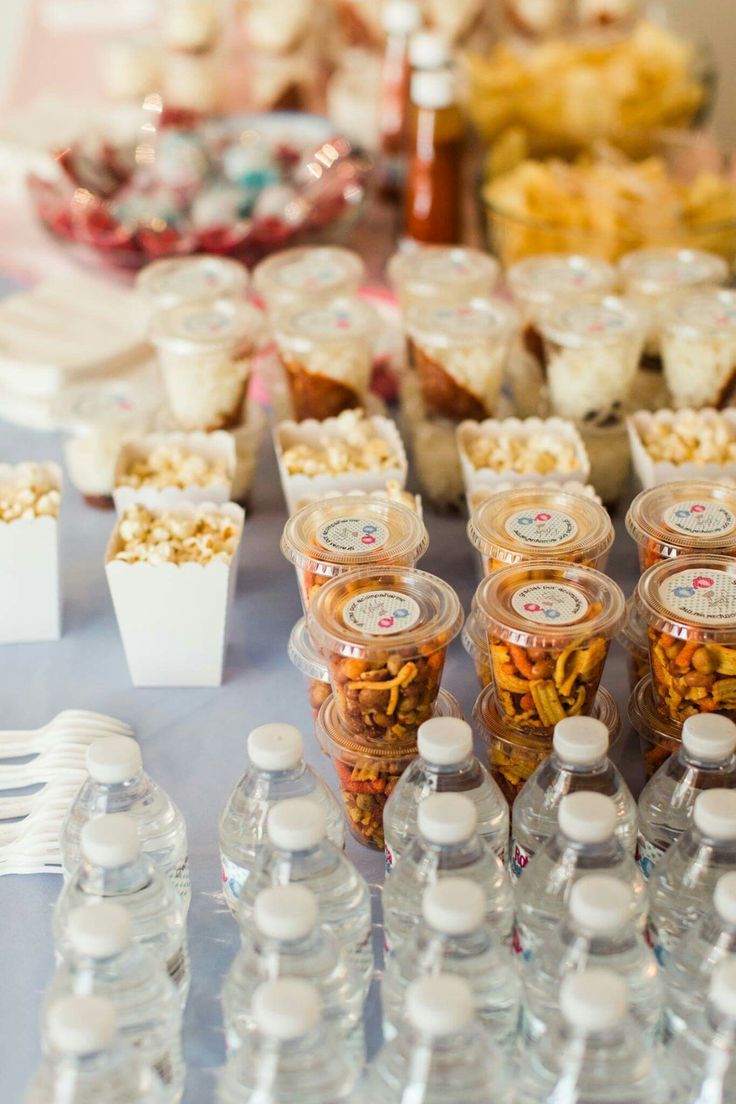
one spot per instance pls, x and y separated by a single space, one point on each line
401 18
434 175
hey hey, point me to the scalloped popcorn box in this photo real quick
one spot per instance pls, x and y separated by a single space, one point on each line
651 473
527 428
214 447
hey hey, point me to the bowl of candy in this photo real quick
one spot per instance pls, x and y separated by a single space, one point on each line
235 185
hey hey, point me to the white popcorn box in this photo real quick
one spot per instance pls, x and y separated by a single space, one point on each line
528 428
218 446
30 591
248 438
483 492
298 488
173 618
651 473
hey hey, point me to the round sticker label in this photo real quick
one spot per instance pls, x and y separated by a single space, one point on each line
594 320
550 604
440 266
329 322
206 323
701 519
193 280
352 534
562 274
705 597
381 612
541 528
311 274
672 269
710 310
465 321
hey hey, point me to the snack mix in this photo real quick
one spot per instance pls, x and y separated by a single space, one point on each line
156 538
353 445
683 518
171 466
692 437
659 737
30 492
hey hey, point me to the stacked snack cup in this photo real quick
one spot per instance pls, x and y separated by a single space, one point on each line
634 640
683 518
305 657
171 282
698 336
659 737
441 274
308 274
475 644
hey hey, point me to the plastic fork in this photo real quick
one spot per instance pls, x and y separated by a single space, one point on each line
12 808
71 726
58 763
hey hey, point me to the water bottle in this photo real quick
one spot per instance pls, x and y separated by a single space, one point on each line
447 844
117 783
585 843
287 940
441 1054
104 961
595 1052
454 938
445 764
705 761
703 1060
690 967
297 850
276 772
114 866
683 881
291 1056
579 761
87 1062
598 931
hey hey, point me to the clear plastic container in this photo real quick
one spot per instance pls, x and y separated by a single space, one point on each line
205 351
475 644
441 273
171 282
460 354
326 350
635 642
659 737
308 274
307 659
698 334
689 605
385 634
549 627
328 538
608 449
683 518
540 523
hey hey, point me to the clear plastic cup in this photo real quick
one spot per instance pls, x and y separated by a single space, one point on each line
475 644
335 535
609 452
460 353
327 352
592 350
366 774
307 659
201 279
683 518
635 642
540 523
308 274
385 633
441 273
658 737
689 605
698 334
549 628
513 756
205 351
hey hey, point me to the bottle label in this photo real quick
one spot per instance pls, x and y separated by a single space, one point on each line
702 519
177 966
541 528
648 855
702 596
234 878
521 943
182 880
519 860
352 534
550 604
381 612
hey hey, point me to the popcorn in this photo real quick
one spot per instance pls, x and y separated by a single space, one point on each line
157 538
171 466
690 438
31 491
541 453
354 448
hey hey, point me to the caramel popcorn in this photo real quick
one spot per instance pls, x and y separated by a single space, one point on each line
170 466
30 491
542 453
691 438
158 538
353 446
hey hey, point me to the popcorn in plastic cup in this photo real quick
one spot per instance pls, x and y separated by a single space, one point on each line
698 334
308 274
634 640
201 279
305 657
683 518
549 628
658 737
689 605
475 644
441 273
385 633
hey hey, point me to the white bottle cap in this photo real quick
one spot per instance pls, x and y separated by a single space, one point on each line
111 840
724 897
428 50
446 818
601 904
82 1025
722 990
433 89
286 912
581 741
710 737
587 817
714 814
286 1008
400 17
112 760
439 1005
445 741
593 1000
275 747
100 930
296 825
454 906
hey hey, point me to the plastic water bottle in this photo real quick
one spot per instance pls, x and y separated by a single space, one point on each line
117 783
705 761
447 844
287 940
704 1058
598 931
87 1062
690 966
104 961
585 843
297 850
455 939
276 772
114 866
683 881
445 764
579 761
291 1056
595 1053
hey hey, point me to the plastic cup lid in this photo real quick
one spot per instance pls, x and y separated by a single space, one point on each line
275 747
439 1005
492 726
693 596
581 741
657 271
633 632
592 321
110 405
308 271
100 930
601 904
82 1025
286 1008
710 737
461 325
594 1000
423 272
302 326
473 638
287 912
297 824
428 50
192 327
722 992
587 817
694 515
111 840
330 732
646 719
724 897
454 906
191 279
445 741
542 280
702 313
714 814
400 17
112 760
446 818
304 655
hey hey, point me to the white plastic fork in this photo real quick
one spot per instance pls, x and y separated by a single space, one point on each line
69 726
62 790
58 763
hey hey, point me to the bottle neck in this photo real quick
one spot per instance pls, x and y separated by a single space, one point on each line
565 767
461 769
109 881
